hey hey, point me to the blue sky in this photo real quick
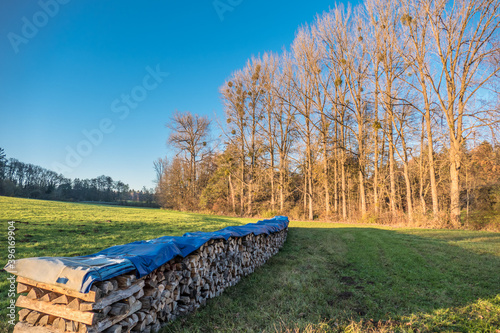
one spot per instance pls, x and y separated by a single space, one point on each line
67 67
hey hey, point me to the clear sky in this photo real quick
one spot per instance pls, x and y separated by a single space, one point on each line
86 87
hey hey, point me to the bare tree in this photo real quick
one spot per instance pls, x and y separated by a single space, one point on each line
160 165
234 98
303 82
463 35
189 135
327 31
416 56
354 62
284 116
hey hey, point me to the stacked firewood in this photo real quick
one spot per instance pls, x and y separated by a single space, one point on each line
127 304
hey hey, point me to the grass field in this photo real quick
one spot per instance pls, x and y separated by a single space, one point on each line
327 278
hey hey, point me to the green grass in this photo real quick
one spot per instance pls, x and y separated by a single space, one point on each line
327 278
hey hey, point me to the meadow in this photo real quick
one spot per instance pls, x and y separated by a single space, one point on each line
329 277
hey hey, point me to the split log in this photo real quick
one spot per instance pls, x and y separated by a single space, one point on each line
74 304
63 299
71 326
114 329
119 309
23 313
36 293
23 288
50 296
33 317
47 320
124 281
114 297
22 327
108 322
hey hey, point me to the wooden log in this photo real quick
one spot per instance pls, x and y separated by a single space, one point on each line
23 313
149 319
50 296
155 327
71 326
185 300
113 297
36 293
147 302
139 294
23 288
129 322
74 304
60 324
151 283
105 286
114 283
33 317
106 310
89 297
131 300
110 321
114 329
150 292
118 309
141 325
125 281
82 328
22 327
160 275
58 310
63 299
46 320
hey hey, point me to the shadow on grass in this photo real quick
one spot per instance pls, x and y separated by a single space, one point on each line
331 278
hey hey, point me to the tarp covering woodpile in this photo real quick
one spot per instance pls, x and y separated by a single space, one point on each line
143 257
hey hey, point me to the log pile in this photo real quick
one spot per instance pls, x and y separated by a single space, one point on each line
128 304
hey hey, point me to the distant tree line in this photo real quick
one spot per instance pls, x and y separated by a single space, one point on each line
26 180
384 112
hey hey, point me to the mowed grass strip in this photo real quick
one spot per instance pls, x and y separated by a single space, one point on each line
336 278
327 278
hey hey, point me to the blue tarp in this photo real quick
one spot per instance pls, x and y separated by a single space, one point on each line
78 273
147 256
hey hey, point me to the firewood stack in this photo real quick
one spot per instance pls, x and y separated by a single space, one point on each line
127 304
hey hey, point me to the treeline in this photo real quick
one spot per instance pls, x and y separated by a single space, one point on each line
376 113
26 180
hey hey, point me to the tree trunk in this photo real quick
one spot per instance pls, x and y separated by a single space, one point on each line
342 165
375 145
336 185
432 171
409 202
455 184
362 197
344 199
273 203
325 181
392 175
421 170
305 192
231 189
362 194
242 189
281 190
310 195
325 163
309 192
